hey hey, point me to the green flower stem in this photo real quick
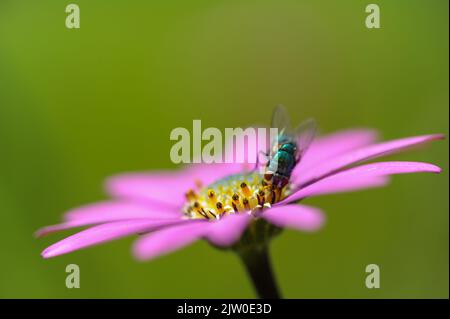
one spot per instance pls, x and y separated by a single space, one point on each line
257 263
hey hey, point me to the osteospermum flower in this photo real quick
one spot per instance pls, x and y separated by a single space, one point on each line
226 204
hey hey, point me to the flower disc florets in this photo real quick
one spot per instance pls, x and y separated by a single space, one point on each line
231 195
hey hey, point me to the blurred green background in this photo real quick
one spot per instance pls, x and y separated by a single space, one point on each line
79 105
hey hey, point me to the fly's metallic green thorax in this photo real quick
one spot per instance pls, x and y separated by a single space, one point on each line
280 166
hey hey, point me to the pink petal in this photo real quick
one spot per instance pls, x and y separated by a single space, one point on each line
103 233
58 227
228 230
300 217
326 147
168 188
86 222
363 154
169 239
364 176
329 146
109 211
117 210
326 186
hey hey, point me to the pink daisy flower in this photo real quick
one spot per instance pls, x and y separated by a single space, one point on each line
225 204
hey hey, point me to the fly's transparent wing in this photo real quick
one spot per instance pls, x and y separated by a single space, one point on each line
280 119
281 122
305 133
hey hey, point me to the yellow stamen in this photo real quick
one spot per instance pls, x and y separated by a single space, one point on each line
234 194
245 190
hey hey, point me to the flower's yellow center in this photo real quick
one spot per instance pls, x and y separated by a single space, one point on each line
233 194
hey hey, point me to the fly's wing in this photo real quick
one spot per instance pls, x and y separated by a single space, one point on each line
280 119
282 122
304 134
